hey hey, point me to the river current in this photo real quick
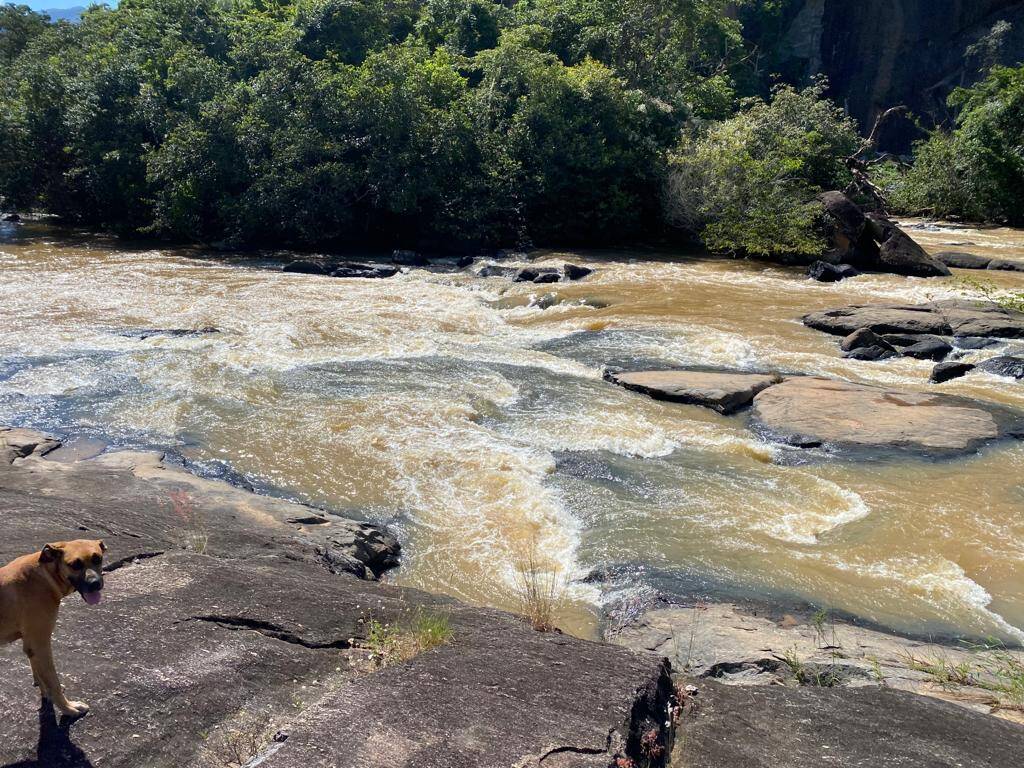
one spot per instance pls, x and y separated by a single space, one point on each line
470 414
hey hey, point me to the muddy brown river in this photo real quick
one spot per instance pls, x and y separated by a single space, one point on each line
471 414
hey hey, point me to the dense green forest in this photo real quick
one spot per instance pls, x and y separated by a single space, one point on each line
446 123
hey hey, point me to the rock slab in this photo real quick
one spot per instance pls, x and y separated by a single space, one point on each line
812 412
940 318
722 392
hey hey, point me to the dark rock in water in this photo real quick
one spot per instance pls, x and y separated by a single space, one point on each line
900 254
304 268
961 260
928 350
409 258
530 275
723 392
465 261
865 344
975 342
784 727
1006 365
824 272
493 270
944 372
576 272
362 549
941 318
1005 265
811 411
13 217
364 271
173 333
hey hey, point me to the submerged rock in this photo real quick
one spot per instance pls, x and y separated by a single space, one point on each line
409 258
810 412
304 268
723 392
173 333
1005 265
12 217
576 272
495 270
541 275
944 372
929 349
371 271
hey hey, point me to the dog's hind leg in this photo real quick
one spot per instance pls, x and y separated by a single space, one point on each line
40 656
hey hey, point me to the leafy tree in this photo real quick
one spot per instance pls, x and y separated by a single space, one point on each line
975 171
747 184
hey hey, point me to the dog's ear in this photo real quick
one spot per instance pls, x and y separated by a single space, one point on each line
103 547
52 552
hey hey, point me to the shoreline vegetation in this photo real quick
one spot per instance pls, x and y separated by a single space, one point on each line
452 125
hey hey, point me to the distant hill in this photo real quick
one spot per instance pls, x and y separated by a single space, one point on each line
73 14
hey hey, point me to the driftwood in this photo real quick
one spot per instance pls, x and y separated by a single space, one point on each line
860 168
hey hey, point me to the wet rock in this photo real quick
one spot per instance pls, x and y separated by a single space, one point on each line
942 318
824 272
811 412
369 271
12 217
542 275
944 372
365 549
304 268
961 260
409 258
1005 365
576 272
722 392
1005 265
910 339
929 349
865 344
975 342
465 261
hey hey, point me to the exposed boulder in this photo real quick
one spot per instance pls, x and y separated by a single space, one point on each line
540 275
941 318
975 342
465 261
961 260
304 268
19 443
576 272
1005 365
900 254
824 272
929 349
865 344
12 217
494 270
722 392
944 372
810 412
353 269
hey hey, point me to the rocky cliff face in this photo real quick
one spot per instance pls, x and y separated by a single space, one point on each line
880 53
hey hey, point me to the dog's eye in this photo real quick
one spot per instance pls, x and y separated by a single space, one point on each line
77 565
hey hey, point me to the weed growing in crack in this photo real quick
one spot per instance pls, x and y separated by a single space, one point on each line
392 643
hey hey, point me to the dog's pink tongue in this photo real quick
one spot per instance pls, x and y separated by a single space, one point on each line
92 598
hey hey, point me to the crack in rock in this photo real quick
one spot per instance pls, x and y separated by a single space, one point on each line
115 565
269 629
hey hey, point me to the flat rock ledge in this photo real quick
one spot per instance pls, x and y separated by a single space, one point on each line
961 318
810 412
768 688
722 392
225 639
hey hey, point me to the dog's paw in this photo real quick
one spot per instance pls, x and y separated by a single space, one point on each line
75 709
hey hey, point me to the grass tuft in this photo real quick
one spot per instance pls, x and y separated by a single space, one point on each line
391 644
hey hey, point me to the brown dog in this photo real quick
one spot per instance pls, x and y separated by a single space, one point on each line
31 589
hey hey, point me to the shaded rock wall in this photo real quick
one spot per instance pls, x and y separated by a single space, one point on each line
880 53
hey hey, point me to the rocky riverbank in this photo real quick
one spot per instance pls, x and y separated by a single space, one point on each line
234 632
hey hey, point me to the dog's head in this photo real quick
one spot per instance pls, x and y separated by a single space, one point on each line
80 562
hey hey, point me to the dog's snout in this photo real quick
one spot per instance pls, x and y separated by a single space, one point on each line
93 582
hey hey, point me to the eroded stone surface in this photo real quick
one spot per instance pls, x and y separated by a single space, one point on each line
941 318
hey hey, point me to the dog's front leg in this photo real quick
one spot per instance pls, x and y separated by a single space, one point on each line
40 656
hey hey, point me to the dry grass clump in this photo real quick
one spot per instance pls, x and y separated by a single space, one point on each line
541 591
391 644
